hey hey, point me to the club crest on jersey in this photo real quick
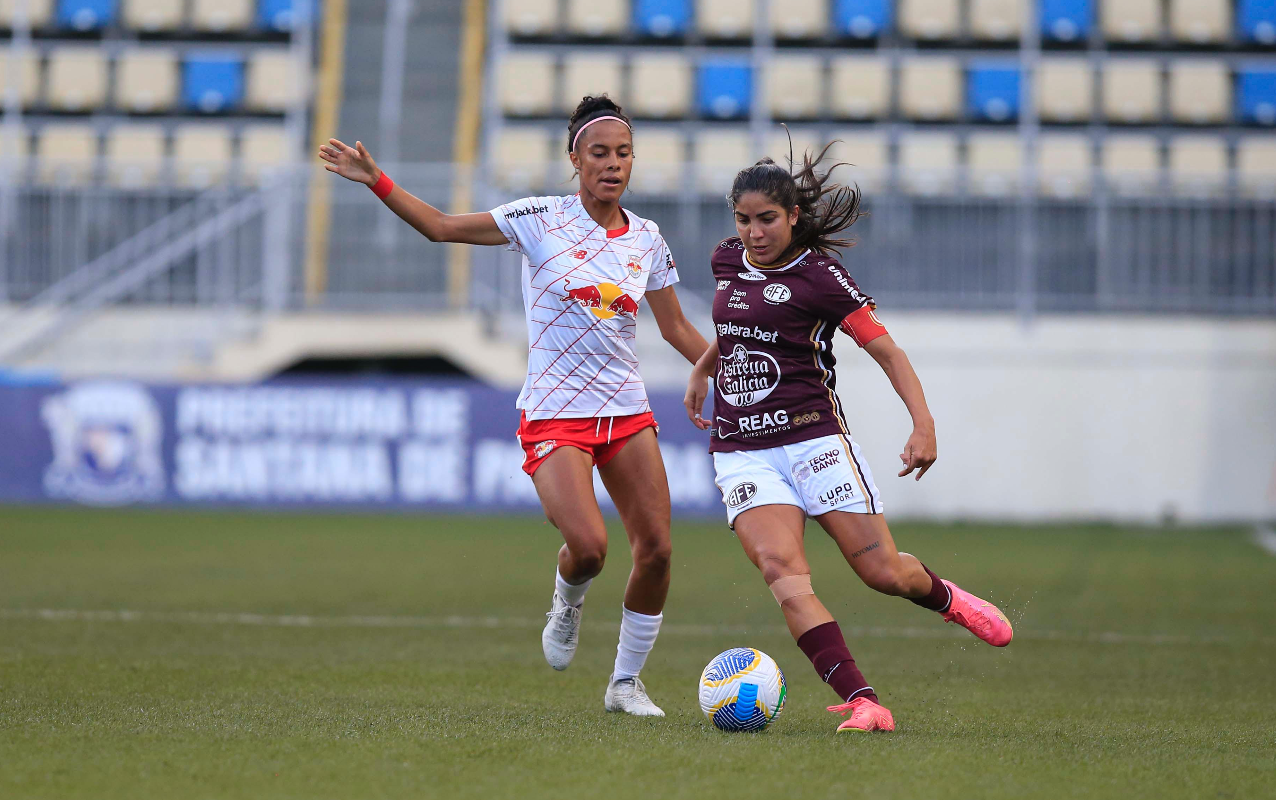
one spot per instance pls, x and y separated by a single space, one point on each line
776 293
604 300
635 268
747 376
544 448
752 276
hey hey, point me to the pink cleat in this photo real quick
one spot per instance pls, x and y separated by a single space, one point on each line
866 716
978 616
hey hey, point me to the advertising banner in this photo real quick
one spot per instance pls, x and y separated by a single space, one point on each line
397 444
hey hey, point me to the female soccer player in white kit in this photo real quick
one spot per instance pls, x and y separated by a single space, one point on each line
781 448
587 266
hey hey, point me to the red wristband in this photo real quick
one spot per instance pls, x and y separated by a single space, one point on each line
383 186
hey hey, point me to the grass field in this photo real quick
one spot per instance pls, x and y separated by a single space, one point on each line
1142 665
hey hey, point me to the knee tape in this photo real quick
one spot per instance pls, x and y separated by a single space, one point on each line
791 586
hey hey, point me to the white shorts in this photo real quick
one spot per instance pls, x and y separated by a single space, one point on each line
818 476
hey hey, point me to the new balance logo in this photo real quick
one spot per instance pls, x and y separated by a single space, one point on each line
579 253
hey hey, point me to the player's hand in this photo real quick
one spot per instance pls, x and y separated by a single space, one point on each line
352 163
697 391
919 453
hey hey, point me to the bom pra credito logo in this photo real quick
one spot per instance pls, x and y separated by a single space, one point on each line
604 300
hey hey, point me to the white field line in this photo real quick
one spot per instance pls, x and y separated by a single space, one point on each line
1266 539
532 623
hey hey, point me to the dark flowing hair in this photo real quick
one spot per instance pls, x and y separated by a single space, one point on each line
825 208
591 108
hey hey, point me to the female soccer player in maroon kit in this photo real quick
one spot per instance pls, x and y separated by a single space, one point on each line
781 447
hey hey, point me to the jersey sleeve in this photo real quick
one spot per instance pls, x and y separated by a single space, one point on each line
525 222
850 308
664 272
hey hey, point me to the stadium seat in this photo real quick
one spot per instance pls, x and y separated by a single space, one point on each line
1131 21
150 16
661 18
930 88
15 143
76 78
867 158
996 20
862 19
799 19
719 155
795 86
28 75
725 88
660 161
928 163
1256 21
86 15
1201 21
597 18
221 16
1066 20
272 81
276 15
1131 164
1064 90
1256 166
1256 90
135 155
39 13
521 160
201 155
531 17
725 19
591 72
660 85
860 87
212 81
67 155
992 91
929 20
1198 166
527 84
1132 90
1065 165
263 149
146 80
1200 92
994 164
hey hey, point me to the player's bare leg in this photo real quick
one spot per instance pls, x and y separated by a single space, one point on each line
635 478
867 545
772 537
565 485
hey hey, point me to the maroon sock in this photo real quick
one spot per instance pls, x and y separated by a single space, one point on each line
938 598
832 660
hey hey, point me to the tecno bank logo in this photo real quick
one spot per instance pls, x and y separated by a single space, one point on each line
106 444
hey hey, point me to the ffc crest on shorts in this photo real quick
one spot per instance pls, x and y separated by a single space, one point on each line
544 448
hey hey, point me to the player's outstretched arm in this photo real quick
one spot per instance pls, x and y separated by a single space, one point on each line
356 164
698 386
674 326
920 451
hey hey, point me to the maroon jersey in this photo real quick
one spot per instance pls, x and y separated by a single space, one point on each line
775 383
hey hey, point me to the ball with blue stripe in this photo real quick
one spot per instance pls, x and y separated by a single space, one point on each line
742 689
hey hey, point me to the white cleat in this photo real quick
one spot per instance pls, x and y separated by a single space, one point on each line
561 633
630 696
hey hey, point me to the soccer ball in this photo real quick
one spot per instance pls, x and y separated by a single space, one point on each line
742 689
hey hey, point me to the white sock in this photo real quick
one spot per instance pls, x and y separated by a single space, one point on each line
637 637
572 594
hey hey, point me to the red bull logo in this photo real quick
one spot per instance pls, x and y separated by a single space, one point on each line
604 300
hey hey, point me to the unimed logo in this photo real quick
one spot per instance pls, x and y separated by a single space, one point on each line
741 494
523 212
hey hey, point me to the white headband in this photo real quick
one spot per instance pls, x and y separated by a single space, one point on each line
576 138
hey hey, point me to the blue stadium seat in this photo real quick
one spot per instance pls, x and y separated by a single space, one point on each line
1256 20
212 82
1066 20
662 17
992 91
276 15
86 15
862 19
726 88
1256 95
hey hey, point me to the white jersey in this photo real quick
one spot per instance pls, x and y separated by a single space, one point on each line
582 286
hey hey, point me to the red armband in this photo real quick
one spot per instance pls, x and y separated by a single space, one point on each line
383 186
863 326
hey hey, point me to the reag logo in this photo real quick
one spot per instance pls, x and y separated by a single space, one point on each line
741 494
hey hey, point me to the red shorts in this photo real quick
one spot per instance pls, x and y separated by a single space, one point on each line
601 437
